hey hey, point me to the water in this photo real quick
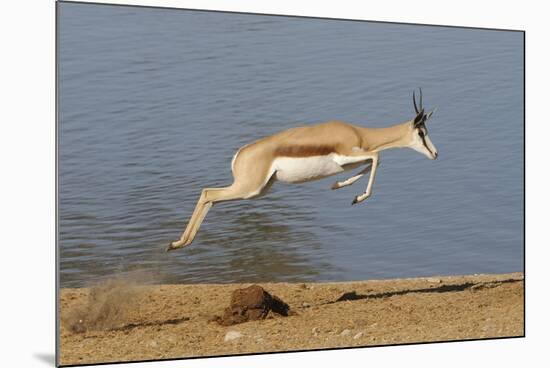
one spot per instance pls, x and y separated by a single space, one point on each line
153 103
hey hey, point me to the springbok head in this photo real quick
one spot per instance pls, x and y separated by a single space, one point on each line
420 140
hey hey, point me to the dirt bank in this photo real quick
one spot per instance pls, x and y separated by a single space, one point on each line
122 322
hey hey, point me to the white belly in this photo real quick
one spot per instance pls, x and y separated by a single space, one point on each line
302 169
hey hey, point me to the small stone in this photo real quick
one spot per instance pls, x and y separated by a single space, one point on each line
153 344
434 280
232 335
306 305
358 336
315 331
346 332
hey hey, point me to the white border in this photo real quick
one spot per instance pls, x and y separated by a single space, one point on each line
27 184
394 11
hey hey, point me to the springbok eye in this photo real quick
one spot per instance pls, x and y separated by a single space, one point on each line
421 134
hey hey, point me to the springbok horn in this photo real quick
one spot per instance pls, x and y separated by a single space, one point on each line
414 103
421 107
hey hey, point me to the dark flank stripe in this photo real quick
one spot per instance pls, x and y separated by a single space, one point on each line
304 151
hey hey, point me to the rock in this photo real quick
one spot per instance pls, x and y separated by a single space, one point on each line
434 280
232 335
346 332
153 344
306 305
315 331
252 303
358 336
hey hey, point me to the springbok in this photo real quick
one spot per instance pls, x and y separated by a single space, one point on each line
309 153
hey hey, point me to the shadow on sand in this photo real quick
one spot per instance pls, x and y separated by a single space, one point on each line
352 295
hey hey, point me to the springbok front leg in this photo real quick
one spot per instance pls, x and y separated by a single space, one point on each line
353 179
368 191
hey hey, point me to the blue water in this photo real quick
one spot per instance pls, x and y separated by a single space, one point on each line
153 103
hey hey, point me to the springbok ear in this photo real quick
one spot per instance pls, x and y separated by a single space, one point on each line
429 115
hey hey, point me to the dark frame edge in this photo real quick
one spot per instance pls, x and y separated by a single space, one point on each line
56 186
524 187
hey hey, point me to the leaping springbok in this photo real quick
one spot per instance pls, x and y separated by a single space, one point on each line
309 153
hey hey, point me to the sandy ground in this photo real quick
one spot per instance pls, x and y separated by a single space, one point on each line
123 321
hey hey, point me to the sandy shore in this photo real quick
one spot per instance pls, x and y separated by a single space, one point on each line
122 321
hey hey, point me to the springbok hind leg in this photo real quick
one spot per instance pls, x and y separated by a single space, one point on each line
208 197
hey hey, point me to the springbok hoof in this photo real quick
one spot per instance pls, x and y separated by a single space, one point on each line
171 246
354 201
335 186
